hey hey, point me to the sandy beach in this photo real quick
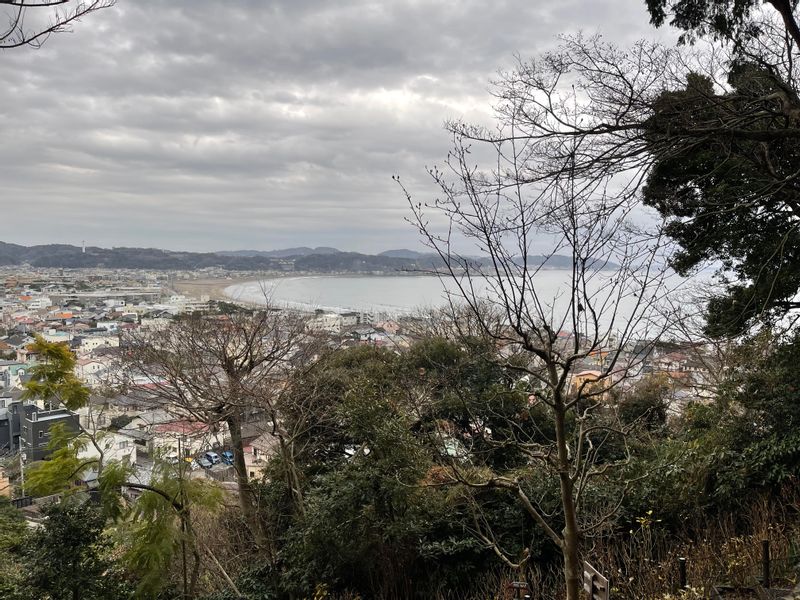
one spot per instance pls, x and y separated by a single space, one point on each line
213 288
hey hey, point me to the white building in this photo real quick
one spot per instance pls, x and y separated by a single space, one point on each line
115 446
108 325
160 432
39 302
93 371
326 322
349 319
93 342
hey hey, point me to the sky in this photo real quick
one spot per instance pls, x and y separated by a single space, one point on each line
209 125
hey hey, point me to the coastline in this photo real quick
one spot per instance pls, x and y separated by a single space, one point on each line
396 295
214 288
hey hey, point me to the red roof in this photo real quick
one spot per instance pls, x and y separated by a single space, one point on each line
181 427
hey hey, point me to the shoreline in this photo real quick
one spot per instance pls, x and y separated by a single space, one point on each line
363 293
214 288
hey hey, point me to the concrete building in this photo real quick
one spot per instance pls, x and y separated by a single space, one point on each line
26 426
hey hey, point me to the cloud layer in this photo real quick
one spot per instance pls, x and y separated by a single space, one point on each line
209 125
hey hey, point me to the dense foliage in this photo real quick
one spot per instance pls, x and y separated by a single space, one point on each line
733 200
378 513
67 558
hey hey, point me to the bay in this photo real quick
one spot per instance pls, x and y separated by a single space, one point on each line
382 295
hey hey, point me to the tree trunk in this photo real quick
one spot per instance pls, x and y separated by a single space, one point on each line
246 496
188 533
571 535
572 566
292 478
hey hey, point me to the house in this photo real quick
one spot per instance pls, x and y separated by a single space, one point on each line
391 327
364 334
90 343
159 431
393 342
259 445
156 323
93 371
37 302
12 373
257 451
110 326
599 357
55 336
36 426
19 341
140 428
26 426
9 425
101 410
115 446
97 413
188 438
137 400
588 382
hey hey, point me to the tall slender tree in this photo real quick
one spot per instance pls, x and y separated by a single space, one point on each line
570 347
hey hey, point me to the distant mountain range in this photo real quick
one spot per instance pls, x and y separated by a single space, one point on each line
285 253
403 253
302 259
320 250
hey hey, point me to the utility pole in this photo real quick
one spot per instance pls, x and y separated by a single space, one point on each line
21 467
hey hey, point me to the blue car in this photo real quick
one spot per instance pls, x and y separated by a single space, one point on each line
227 457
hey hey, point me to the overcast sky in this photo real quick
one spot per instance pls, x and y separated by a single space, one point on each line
246 124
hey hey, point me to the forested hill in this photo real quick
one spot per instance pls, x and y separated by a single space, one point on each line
316 260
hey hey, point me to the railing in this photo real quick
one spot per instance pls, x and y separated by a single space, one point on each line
595 584
26 501
47 499
22 502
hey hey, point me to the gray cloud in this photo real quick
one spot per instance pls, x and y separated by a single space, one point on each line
205 125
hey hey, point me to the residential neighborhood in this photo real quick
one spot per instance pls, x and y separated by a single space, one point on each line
91 311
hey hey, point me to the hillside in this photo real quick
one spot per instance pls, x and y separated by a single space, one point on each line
302 259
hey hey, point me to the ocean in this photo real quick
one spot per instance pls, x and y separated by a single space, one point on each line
401 295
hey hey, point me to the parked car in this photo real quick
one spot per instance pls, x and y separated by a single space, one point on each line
227 457
212 457
204 462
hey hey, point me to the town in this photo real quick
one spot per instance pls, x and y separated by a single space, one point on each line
400 300
90 312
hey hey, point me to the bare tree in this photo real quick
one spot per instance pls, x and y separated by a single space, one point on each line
31 22
707 135
220 370
574 339
611 110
